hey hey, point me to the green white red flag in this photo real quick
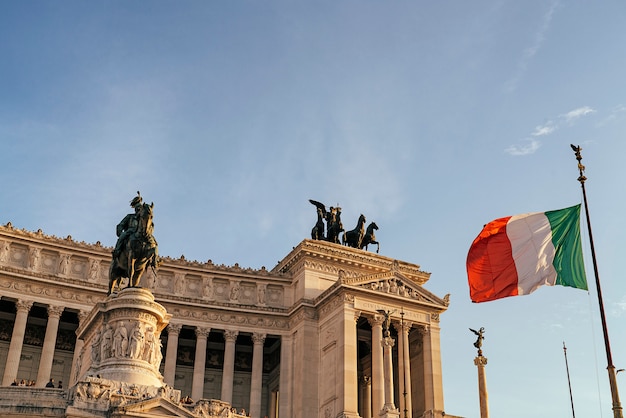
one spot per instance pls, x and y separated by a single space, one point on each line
515 255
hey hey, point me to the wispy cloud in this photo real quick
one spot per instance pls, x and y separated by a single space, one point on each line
525 149
530 52
576 114
548 128
545 129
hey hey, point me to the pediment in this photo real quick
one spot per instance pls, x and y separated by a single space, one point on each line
394 283
153 408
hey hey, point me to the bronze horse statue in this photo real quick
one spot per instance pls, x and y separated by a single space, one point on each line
353 238
318 230
369 237
139 251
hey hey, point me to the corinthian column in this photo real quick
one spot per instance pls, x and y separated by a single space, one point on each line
49 343
378 393
228 373
169 372
256 384
17 340
199 363
481 362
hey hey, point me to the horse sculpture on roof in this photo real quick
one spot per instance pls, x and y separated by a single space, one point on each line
357 238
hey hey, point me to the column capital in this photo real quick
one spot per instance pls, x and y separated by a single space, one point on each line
423 329
23 305
174 328
55 311
402 326
480 361
202 332
376 320
258 338
388 342
230 336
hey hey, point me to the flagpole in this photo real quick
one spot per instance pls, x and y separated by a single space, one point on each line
571 397
617 406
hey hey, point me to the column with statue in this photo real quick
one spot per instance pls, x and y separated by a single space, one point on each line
480 363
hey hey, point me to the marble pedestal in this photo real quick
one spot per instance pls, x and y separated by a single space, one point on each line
121 354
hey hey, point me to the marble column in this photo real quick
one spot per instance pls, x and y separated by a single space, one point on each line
17 340
228 374
169 370
78 350
199 364
405 378
49 344
433 381
286 377
387 344
347 376
367 397
378 387
256 383
481 362
401 366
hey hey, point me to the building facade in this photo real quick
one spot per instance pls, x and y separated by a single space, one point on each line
304 339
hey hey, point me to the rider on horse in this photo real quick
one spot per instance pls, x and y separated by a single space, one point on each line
128 225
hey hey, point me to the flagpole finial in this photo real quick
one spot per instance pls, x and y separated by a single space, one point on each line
581 168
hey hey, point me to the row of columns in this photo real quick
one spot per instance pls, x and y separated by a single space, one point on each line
228 373
376 397
17 341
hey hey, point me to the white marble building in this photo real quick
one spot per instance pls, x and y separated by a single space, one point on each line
302 340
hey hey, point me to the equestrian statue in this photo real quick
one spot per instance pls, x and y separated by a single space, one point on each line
136 248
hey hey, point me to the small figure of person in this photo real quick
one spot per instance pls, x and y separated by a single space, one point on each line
60 385
50 384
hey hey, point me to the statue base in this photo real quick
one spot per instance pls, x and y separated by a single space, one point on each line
122 338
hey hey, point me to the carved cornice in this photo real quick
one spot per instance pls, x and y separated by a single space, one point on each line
23 236
346 258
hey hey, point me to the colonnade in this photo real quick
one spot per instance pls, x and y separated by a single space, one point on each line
228 371
17 341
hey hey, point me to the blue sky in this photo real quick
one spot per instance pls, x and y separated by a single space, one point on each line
430 118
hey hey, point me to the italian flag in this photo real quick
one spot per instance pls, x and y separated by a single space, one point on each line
515 255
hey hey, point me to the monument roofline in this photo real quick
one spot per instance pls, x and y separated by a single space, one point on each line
351 258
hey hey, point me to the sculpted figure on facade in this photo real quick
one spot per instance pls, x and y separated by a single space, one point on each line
234 291
4 251
120 340
35 254
261 288
94 269
136 342
149 346
209 291
95 347
107 342
64 264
